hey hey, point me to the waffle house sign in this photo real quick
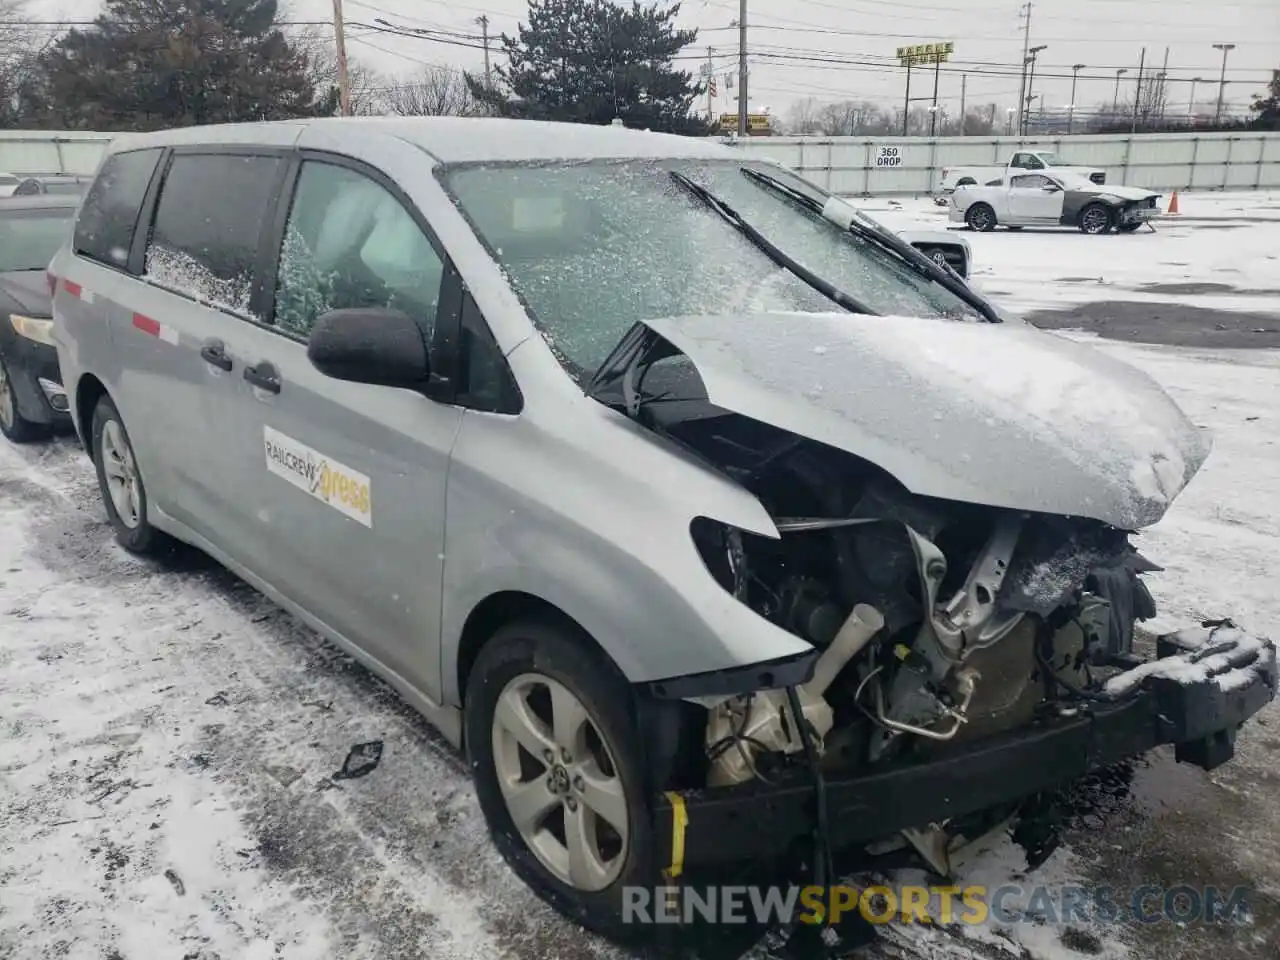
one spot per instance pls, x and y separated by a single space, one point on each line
926 53
758 124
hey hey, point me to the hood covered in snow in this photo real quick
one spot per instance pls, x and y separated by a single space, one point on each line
998 414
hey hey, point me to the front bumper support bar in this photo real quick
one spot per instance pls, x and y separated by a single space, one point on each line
754 820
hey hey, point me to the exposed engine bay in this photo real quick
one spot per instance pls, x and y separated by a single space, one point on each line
1000 602
938 621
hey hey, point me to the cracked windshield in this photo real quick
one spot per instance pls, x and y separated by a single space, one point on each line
639 479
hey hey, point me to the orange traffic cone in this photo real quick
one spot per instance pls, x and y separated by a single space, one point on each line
1173 205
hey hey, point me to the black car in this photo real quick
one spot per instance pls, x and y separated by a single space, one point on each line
32 401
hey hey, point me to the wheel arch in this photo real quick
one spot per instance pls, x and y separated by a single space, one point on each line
508 606
89 390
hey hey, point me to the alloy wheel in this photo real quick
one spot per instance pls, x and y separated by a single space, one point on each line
560 783
980 219
1095 220
123 482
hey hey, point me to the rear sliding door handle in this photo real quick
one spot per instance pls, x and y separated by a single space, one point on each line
215 352
263 376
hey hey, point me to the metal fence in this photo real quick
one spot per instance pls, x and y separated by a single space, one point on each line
872 166
50 151
875 166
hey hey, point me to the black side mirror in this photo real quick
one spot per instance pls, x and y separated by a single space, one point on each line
373 345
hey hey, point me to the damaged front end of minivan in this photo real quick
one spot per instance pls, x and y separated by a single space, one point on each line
955 506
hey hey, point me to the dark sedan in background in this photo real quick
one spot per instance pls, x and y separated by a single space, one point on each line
32 401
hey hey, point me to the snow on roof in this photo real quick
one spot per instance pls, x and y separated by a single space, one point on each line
463 139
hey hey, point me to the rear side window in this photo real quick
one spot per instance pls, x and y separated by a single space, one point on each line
208 221
104 231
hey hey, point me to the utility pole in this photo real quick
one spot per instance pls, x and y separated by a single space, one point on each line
1031 81
1026 43
964 81
340 38
933 116
711 106
742 68
1191 103
906 103
1222 82
1071 107
1115 100
484 32
1162 91
1137 91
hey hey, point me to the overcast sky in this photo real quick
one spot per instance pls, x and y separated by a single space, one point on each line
792 44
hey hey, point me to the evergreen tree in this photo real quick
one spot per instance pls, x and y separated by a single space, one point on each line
591 61
1268 108
147 64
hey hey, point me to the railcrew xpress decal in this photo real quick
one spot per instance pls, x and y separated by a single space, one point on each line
327 480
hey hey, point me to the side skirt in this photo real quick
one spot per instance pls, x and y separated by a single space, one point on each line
446 719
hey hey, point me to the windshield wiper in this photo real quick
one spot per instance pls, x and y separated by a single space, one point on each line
827 289
871 231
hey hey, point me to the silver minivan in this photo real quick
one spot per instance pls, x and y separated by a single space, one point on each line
709 517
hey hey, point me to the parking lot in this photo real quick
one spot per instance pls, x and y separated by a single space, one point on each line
168 738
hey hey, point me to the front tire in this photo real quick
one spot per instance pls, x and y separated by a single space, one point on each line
1096 219
16 427
120 482
981 218
554 753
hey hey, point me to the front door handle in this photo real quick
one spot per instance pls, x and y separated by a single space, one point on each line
264 376
215 352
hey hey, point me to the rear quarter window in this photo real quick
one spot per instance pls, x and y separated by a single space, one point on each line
104 230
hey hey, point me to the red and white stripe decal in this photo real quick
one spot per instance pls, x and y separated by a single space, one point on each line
154 328
77 291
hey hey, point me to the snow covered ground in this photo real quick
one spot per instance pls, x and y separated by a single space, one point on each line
168 737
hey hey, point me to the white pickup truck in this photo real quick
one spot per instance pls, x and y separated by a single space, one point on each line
1039 161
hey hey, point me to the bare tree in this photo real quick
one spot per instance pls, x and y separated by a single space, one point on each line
433 92
802 119
21 46
366 86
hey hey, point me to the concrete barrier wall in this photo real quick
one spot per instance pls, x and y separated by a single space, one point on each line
858 166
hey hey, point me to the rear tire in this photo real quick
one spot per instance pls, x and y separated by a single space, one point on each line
539 688
1097 219
981 218
120 481
16 427
1128 227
